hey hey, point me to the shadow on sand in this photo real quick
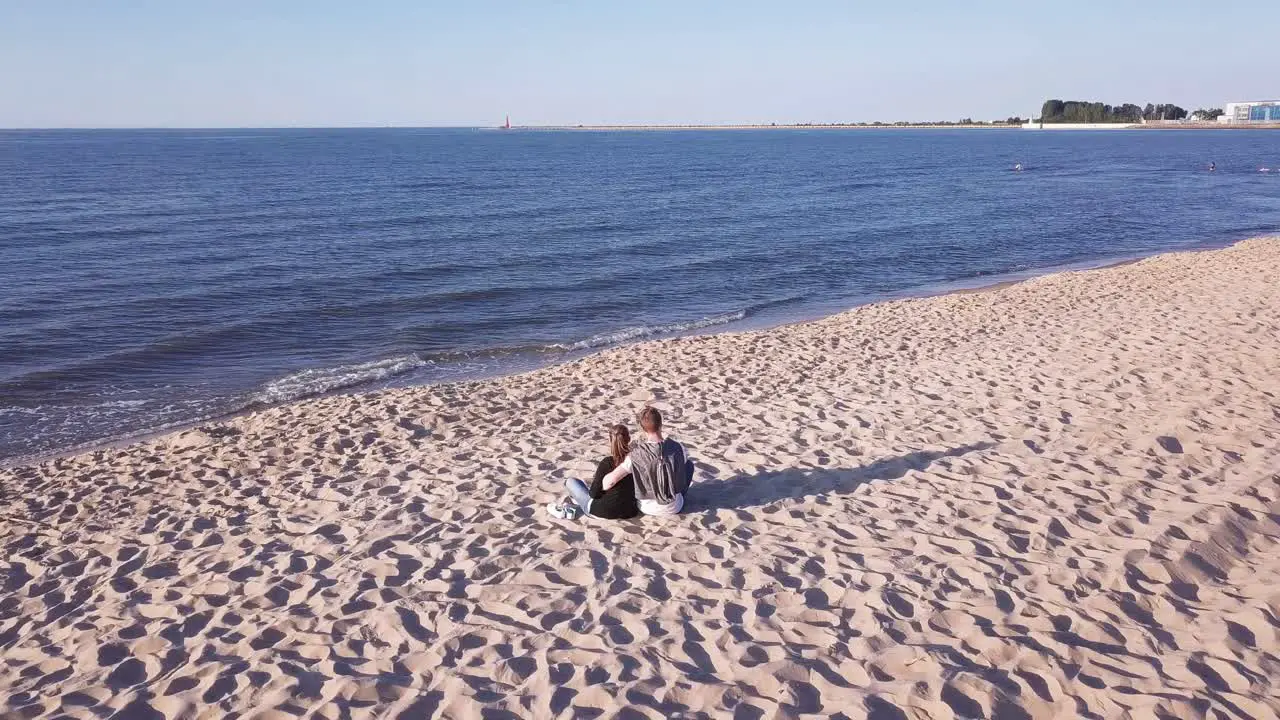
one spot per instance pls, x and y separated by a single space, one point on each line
759 489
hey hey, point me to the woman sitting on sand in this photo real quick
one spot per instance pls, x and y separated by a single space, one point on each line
618 502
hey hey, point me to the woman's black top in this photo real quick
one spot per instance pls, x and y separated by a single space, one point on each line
619 502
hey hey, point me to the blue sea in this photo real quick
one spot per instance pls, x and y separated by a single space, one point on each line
152 279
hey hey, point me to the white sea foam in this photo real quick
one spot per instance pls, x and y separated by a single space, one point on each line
316 381
120 404
89 408
643 331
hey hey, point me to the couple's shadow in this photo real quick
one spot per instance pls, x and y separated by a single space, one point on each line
750 490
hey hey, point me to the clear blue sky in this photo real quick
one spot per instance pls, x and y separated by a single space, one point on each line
165 63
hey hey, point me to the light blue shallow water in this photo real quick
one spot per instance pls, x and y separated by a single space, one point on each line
157 277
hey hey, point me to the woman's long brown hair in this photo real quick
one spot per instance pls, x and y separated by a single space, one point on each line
619 443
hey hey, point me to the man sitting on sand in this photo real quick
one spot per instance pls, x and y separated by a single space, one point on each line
658 466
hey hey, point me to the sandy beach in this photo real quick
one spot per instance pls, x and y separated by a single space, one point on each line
1052 499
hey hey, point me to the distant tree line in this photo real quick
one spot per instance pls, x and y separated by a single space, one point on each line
1076 111
943 123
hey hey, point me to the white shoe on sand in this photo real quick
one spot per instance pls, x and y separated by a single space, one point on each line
566 511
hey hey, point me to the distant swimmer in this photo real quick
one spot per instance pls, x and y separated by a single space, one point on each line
1213 167
1017 168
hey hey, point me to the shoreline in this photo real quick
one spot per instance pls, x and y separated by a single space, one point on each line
902 126
834 126
926 291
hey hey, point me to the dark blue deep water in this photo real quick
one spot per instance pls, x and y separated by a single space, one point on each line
158 277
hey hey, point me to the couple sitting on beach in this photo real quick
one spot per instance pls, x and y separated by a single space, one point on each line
648 476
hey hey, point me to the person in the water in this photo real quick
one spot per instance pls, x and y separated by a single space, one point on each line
1213 167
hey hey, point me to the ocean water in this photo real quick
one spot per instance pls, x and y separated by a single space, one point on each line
155 278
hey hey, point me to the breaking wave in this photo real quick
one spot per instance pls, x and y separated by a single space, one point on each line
317 381
643 331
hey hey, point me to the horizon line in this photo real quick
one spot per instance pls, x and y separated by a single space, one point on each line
550 126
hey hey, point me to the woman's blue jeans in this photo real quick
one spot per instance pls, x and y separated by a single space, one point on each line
579 492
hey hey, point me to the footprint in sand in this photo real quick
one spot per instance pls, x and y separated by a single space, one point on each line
900 606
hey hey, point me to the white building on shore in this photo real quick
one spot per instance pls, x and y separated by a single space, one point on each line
1244 113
